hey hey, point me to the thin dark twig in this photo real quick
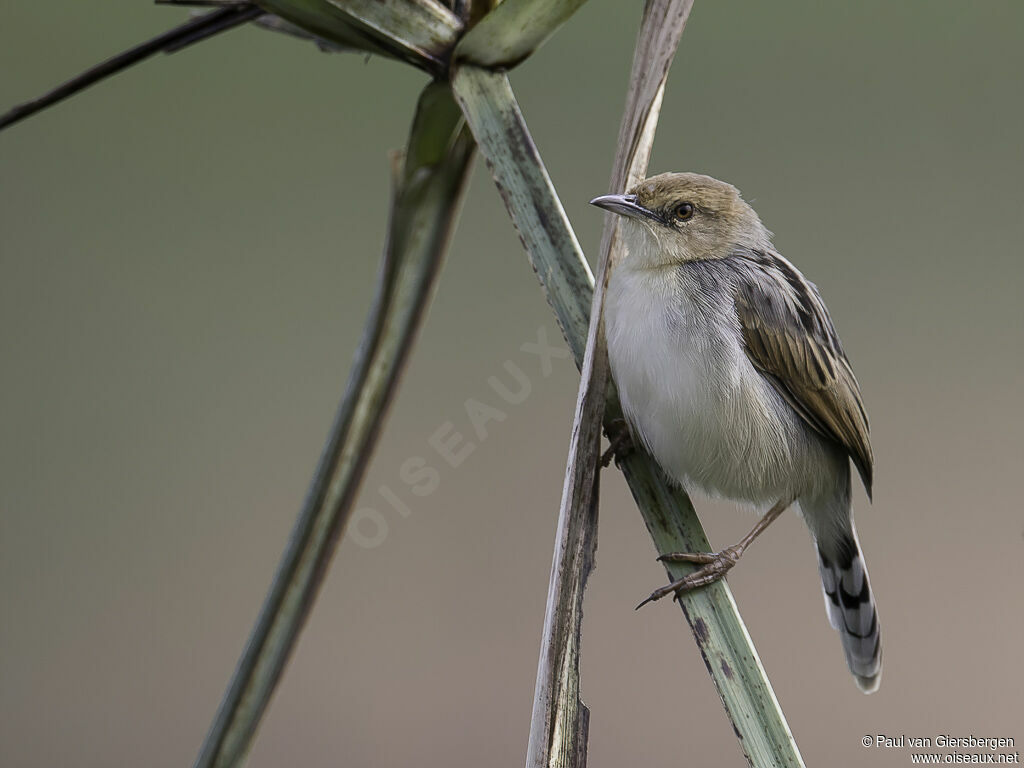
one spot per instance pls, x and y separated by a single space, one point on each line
174 40
203 3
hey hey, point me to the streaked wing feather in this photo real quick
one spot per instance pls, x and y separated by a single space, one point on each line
789 337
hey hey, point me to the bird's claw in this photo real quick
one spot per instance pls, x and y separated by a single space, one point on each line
714 565
620 442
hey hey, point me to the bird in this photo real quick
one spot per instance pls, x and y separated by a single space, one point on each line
732 376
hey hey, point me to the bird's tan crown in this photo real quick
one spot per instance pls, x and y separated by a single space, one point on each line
667 189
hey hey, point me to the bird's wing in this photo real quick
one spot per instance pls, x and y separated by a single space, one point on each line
789 337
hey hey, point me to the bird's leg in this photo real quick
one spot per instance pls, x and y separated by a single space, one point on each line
621 442
714 564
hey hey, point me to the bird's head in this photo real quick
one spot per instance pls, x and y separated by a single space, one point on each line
677 217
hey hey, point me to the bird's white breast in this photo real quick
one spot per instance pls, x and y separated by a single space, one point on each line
692 396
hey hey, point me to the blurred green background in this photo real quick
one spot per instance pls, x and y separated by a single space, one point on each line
187 254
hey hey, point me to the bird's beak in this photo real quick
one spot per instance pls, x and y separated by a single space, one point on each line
624 205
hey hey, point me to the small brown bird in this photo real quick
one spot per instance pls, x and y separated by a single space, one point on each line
732 376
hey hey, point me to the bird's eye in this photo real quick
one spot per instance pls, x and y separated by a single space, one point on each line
684 211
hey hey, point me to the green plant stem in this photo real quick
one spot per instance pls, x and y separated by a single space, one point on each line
490 107
428 192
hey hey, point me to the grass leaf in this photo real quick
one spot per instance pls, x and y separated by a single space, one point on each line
560 723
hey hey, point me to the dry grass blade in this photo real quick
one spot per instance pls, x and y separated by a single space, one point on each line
560 721
422 32
512 31
558 733
491 110
428 192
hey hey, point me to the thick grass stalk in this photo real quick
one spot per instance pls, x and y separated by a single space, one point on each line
493 114
428 192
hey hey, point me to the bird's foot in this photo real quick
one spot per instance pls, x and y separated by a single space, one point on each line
621 442
714 565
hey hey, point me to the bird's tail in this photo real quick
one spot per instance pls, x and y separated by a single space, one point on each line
851 607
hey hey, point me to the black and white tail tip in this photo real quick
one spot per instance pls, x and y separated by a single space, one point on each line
851 610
